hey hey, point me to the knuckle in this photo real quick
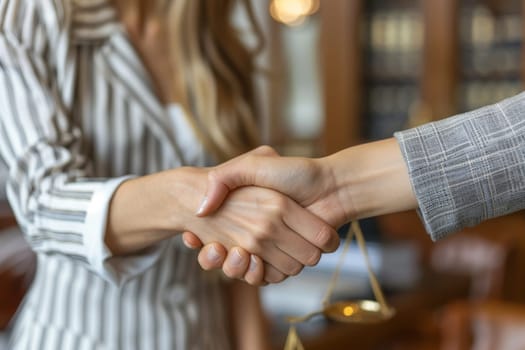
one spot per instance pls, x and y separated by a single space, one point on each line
265 230
266 150
275 278
251 244
313 258
203 262
297 270
281 202
281 278
230 272
325 238
214 175
273 275
292 268
252 280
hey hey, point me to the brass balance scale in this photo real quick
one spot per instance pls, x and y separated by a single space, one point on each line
351 311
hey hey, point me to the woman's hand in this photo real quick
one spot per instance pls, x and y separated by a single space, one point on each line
310 182
269 225
306 180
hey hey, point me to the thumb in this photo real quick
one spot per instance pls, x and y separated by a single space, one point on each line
238 172
215 195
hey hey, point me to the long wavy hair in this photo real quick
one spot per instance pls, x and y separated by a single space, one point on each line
215 72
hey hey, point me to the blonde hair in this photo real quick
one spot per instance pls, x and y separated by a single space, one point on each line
214 73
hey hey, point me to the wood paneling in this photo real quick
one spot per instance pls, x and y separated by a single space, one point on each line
341 60
440 61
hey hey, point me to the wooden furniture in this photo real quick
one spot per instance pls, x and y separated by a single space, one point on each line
341 59
491 254
6 216
17 265
479 265
440 58
482 325
412 306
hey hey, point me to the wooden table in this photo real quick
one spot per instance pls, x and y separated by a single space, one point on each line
13 281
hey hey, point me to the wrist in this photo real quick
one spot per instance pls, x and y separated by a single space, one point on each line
183 188
371 179
337 172
148 209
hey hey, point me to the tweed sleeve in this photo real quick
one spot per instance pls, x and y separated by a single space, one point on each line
469 167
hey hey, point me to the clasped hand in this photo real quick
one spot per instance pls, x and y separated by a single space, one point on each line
291 204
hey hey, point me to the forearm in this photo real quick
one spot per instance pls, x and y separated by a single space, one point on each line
148 209
371 179
250 326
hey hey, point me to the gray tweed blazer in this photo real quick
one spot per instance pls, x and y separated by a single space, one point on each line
469 167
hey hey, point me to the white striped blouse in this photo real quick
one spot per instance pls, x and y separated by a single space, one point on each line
77 117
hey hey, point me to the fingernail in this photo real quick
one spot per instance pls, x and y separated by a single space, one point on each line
236 258
202 205
213 255
253 263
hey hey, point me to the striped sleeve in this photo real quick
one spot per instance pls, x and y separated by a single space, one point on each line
468 168
60 207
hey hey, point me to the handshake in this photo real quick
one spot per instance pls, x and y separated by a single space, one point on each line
281 213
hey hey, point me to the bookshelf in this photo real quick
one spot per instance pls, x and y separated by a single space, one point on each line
490 51
392 45
395 64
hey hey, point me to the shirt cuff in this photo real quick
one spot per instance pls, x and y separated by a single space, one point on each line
114 269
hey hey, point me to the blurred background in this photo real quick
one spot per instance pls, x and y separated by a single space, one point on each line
344 72
336 73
